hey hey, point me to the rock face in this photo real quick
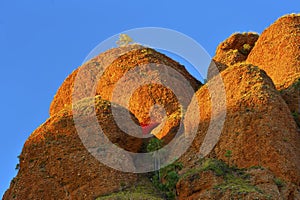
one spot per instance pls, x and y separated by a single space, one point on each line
157 68
150 102
63 97
233 50
54 163
258 131
291 95
255 154
277 51
214 180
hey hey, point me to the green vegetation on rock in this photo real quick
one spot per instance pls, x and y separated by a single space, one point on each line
144 190
279 182
167 178
237 181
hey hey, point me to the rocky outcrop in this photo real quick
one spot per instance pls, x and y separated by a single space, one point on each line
233 50
86 81
150 102
259 133
55 164
253 154
151 84
291 95
212 179
277 51
259 129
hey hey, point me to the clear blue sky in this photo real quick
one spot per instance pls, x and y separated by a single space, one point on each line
42 41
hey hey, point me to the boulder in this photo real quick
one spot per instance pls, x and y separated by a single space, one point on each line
56 164
277 51
233 50
258 130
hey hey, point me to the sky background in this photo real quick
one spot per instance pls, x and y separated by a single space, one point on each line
41 42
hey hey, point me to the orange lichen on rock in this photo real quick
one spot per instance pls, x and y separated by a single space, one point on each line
244 116
259 129
55 164
233 50
277 51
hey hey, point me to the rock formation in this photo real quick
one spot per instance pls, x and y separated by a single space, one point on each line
64 95
246 146
277 51
54 163
143 63
233 50
258 131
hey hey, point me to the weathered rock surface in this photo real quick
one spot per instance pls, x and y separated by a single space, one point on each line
87 79
259 129
54 163
122 70
217 181
233 50
277 51
260 107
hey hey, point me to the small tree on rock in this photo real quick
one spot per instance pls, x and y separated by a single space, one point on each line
124 40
